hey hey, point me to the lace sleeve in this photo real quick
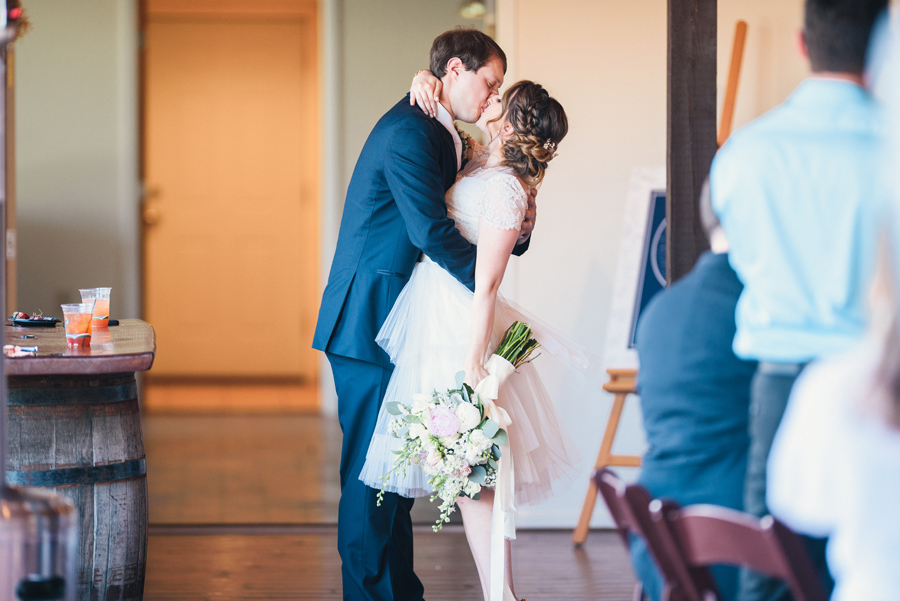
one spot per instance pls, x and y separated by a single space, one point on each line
504 202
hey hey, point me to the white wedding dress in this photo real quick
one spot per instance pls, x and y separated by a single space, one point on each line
426 335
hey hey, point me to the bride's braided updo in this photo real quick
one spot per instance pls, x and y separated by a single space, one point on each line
539 122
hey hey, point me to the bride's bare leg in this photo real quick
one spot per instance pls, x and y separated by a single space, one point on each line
476 517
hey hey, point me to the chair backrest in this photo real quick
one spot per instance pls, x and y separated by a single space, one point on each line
629 506
611 489
706 535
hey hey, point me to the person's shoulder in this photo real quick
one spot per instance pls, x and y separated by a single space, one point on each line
502 174
402 115
505 179
408 125
841 374
680 304
756 133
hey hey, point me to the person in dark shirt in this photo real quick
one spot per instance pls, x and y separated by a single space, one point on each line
695 395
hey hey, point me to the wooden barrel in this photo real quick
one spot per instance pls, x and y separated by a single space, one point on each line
81 435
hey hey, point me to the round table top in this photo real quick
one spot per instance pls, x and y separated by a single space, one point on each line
127 347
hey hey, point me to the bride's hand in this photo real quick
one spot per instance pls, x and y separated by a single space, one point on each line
475 373
425 91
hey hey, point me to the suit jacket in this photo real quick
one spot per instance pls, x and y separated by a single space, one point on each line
394 210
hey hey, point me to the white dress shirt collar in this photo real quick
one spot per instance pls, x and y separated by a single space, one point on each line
443 115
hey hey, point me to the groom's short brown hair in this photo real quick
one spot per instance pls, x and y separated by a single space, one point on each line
474 48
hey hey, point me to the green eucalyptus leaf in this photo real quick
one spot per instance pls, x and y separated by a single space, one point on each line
500 438
490 428
393 407
478 474
460 376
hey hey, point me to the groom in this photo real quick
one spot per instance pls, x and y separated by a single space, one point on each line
394 211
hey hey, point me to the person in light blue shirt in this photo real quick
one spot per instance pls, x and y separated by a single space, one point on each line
799 197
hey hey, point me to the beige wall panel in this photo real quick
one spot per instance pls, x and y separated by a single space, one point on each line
77 154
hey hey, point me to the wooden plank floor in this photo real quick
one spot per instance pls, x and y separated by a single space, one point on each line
302 563
247 469
244 507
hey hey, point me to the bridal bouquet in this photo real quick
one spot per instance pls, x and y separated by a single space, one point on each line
452 434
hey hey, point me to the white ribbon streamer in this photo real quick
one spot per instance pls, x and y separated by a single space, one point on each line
503 516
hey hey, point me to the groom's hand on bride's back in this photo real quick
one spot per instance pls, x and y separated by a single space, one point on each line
530 216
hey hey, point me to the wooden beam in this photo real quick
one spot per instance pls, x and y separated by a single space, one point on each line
691 131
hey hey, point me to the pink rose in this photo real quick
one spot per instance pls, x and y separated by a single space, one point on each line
442 422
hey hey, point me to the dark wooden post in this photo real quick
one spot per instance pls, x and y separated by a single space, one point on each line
691 131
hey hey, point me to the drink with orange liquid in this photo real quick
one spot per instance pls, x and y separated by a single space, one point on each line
100 298
78 321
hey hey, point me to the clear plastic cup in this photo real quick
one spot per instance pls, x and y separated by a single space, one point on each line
100 298
78 321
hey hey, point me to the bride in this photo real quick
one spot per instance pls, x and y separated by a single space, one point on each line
438 326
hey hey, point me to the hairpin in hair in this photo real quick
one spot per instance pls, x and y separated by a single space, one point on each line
551 145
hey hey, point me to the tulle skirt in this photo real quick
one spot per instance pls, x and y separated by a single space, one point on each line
426 335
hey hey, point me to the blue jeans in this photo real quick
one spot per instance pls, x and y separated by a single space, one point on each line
769 393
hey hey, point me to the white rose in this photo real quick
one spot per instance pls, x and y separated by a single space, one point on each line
479 440
469 417
473 456
417 431
421 402
449 440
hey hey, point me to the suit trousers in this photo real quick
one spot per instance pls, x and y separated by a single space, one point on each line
769 394
375 542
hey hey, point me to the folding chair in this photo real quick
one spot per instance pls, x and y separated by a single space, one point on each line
629 506
704 535
613 492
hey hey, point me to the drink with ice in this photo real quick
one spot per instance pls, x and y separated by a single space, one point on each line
78 321
100 298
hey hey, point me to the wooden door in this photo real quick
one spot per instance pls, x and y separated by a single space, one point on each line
231 205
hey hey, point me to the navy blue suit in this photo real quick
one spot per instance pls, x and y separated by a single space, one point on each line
394 210
695 395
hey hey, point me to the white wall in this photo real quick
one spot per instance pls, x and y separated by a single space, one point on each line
606 63
77 154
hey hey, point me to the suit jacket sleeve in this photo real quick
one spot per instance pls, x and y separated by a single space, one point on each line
520 249
413 172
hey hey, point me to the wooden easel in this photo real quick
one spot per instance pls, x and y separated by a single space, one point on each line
621 384
731 87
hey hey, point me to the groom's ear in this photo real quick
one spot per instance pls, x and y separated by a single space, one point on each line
455 66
